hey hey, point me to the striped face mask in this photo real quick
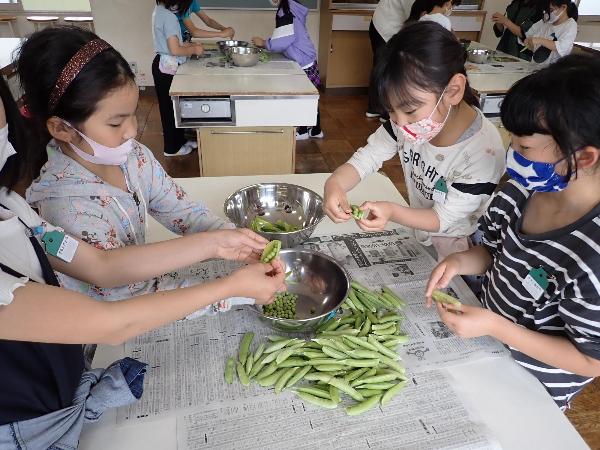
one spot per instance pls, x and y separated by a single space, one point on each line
534 175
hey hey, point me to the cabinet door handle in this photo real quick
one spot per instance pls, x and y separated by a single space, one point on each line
249 132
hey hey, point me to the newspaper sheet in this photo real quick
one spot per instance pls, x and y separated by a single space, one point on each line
427 415
187 359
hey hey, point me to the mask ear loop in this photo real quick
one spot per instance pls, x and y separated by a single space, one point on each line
438 104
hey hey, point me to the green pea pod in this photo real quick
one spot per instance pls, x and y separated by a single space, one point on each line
377 386
317 401
359 287
359 342
334 393
242 375
245 346
366 302
271 379
345 332
387 303
366 393
351 304
397 300
391 392
382 326
298 376
284 354
271 251
259 351
292 362
330 367
334 353
275 338
321 361
382 348
278 345
249 363
363 406
314 391
390 318
372 317
357 322
366 328
378 378
285 377
268 370
442 297
363 354
354 299
314 354
392 364
338 343
229 368
362 362
257 366
356 374
386 332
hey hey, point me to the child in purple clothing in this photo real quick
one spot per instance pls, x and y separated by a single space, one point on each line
291 38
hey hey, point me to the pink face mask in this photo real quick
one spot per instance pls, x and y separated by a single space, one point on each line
425 129
107 156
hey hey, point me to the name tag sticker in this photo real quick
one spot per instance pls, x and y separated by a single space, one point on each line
440 191
536 282
60 245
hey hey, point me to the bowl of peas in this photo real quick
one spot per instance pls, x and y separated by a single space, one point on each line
282 211
316 287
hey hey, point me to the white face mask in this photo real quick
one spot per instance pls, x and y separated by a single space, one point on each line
448 12
554 17
6 148
107 156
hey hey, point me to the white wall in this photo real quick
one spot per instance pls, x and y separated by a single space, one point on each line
128 28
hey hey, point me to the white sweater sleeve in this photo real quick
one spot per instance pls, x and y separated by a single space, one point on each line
8 284
381 146
564 44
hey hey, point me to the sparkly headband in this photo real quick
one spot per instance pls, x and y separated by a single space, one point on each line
83 56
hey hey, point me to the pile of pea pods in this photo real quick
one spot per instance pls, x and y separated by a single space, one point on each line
352 354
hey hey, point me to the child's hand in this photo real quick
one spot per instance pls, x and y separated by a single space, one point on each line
441 276
468 321
529 43
237 245
228 33
499 18
258 42
336 204
379 216
260 281
197 49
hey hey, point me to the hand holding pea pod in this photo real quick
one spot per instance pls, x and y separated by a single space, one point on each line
236 245
259 281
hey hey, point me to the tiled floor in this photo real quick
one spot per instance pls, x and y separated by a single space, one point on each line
346 129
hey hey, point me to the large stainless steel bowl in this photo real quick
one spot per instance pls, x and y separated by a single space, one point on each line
321 285
291 203
478 55
225 46
244 56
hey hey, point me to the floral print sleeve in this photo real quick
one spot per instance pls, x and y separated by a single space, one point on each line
169 204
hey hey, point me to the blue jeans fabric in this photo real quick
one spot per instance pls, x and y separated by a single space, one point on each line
99 389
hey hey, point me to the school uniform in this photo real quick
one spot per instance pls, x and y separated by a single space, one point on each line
165 25
568 306
470 169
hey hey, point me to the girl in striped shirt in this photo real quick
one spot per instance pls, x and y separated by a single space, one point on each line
541 234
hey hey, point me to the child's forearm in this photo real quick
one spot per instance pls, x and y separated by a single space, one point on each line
555 351
425 219
548 43
475 261
345 177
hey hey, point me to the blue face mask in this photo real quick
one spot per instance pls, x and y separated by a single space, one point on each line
534 175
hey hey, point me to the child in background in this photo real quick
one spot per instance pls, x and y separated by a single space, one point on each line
541 233
389 16
291 38
189 30
433 10
99 184
552 37
170 52
510 27
451 155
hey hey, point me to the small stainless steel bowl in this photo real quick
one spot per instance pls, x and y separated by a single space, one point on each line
321 285
244 56
291 203
478 55
225 46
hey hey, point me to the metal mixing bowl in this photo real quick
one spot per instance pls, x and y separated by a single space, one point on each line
293 204
321 285
478 55
225 46
244 56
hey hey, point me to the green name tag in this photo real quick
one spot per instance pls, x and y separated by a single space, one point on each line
60 245
440 190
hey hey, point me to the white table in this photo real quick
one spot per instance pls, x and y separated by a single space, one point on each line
511 402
